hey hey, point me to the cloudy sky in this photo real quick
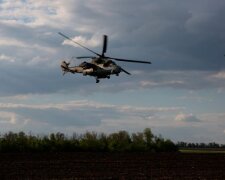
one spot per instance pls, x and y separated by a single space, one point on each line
180 96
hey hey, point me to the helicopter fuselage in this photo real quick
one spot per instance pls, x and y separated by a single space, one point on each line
98 67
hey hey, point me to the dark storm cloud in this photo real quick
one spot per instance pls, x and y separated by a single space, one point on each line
174 35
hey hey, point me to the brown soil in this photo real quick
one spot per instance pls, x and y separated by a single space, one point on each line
111 166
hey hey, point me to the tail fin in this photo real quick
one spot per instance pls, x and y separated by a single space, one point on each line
65 67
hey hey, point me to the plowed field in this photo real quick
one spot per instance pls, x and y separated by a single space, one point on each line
111 166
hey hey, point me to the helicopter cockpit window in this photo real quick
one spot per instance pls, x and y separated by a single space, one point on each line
83 64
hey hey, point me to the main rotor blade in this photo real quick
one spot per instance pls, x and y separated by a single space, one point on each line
105 42
78 43
85 57
125 71
128 60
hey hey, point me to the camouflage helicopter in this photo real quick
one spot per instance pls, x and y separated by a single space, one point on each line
101 66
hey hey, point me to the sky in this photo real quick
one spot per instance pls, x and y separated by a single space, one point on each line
180 96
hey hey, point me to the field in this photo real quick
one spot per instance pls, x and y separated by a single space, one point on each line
112 166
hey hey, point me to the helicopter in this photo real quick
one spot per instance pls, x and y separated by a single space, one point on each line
100 67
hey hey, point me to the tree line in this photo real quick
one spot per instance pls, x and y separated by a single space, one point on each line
120 141
200 145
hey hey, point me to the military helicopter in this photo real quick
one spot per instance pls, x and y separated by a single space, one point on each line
101 66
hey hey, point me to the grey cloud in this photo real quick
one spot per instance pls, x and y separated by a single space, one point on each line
42 80
60 118
186 118
189 80
164 31
81 113
190 134
175 36
183 39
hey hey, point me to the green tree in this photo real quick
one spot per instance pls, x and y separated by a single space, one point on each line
119 141
148 136
138 142
89 142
